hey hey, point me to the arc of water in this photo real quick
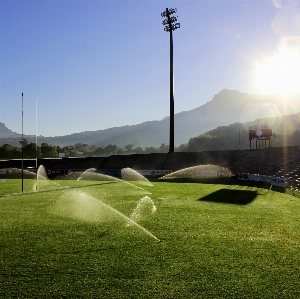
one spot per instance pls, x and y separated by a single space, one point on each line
41 173
42 179
146 200
92 173
82 206
131 174
204 171
131 221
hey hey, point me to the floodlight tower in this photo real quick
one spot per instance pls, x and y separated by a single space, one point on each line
170 27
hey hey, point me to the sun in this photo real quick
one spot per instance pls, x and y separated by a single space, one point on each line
279 73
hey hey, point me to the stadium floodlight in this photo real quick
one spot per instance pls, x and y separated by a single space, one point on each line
165 22
170 27
173 19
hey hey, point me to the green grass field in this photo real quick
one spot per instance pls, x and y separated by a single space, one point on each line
216 241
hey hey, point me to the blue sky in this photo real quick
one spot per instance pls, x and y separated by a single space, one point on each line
91 65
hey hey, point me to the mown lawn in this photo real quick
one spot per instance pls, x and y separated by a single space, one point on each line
216 241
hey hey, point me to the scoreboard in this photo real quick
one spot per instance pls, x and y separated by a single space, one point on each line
260 132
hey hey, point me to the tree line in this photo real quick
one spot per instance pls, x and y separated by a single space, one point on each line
203 142
32 151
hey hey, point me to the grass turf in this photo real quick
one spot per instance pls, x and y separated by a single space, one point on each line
217 241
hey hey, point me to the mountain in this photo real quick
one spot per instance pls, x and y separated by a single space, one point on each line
7 133
226 107
285 132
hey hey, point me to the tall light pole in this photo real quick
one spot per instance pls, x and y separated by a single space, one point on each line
170 27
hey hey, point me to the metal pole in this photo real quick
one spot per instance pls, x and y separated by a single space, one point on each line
36 152
171 142
239 136
22 145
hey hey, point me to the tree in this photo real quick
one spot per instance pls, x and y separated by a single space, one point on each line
99 151
48 151
119 151
82 147
93 148
7 151
164 148
128 149
69 151
181 148
30 151
199 143
150 149
110 149
138 150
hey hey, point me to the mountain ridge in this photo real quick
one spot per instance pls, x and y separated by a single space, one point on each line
5 132
225 108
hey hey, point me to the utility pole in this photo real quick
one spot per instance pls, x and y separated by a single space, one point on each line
170 27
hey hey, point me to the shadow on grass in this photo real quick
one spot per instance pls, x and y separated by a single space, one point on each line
217 180
231 196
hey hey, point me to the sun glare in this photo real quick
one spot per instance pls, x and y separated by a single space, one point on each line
279 73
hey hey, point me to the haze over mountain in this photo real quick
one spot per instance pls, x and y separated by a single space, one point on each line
7 133
226 107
